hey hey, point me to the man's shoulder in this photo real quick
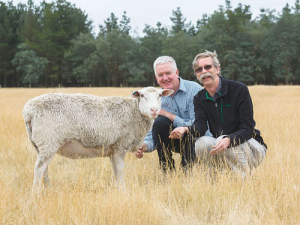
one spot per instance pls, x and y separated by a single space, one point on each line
234 83
200 94
236 88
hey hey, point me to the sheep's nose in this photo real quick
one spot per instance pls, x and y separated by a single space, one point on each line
154 110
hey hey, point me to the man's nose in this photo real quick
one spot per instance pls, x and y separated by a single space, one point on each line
164 77
204 70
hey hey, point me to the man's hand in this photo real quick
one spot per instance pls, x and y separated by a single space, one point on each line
167 114
178 132
140 153
221 146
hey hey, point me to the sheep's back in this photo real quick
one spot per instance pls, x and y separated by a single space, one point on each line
94 121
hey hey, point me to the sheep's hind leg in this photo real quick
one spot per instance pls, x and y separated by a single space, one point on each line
118 164
41 173
46 178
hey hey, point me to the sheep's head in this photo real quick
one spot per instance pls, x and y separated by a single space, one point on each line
150 100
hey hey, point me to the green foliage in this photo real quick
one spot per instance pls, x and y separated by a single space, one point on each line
79 60
102 61
59 47
29 65
281 46
49 29
10 24
140 59
183 49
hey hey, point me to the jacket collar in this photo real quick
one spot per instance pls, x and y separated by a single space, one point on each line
224 89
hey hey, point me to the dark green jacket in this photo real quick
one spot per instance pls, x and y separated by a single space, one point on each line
231 114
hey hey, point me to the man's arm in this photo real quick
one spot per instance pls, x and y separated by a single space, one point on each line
246 121
149 142
148 145
167 114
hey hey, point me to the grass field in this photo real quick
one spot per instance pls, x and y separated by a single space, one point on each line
83 191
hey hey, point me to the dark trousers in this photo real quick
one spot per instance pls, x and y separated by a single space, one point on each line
164 145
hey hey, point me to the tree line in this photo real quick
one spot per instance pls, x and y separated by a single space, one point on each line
52 44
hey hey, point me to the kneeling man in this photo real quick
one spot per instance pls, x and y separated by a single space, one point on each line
227 106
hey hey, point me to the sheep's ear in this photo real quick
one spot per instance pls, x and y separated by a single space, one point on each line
167 92
135 94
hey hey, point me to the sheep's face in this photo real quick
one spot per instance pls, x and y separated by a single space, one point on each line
150 100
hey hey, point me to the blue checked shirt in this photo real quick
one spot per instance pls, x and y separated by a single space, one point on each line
181 105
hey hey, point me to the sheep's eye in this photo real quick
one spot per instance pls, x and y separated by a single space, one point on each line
160 95
142 96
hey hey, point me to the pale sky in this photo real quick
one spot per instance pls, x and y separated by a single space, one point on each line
150 12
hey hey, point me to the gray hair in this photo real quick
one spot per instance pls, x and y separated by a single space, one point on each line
163 60
206 54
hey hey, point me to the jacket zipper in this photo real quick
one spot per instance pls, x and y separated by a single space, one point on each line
222 110
218 116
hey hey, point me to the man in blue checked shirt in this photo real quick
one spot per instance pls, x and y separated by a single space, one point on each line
177 110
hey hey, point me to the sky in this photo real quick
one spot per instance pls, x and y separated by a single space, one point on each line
150 12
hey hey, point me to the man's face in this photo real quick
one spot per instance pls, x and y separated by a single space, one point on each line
209 72
166 77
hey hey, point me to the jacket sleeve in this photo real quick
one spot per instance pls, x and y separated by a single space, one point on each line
246 121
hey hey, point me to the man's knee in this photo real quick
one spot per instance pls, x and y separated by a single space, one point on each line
204 145
258 152
250 153
161 124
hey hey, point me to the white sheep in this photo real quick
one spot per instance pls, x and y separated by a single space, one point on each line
88 126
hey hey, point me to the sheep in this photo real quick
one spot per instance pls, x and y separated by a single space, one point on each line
88 126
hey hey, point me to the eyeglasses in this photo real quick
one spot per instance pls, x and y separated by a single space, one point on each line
200 69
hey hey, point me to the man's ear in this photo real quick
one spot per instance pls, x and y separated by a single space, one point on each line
156 79
218 70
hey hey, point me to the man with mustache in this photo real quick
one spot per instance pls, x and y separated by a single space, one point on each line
227 106
176 110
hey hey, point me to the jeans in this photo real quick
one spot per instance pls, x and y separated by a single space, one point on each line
165 146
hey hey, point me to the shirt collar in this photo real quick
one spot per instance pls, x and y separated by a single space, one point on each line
182 85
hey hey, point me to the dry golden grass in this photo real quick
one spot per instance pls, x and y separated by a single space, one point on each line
83 192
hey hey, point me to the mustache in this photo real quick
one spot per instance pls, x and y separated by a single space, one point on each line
208 74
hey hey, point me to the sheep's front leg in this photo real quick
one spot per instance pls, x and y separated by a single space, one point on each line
118 164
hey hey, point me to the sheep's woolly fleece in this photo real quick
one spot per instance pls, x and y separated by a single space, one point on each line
94 121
